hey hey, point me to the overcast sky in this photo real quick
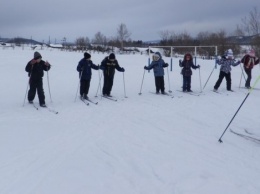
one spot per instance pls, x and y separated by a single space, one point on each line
41 19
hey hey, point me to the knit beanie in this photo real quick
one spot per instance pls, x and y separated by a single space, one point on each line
251 52
229 53
87 55
37 55
112 56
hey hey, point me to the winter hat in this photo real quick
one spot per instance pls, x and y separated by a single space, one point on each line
251 52
229 53
156 56
112 56
87 55
37 55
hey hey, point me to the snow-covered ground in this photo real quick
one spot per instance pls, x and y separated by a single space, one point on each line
143 144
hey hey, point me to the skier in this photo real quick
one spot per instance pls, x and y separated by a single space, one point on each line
157 65
249 60
108 65
225 70
84 68
186 71
35 68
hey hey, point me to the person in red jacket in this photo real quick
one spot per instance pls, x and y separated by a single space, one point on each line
249 61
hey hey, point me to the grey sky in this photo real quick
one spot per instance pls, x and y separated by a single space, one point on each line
143 18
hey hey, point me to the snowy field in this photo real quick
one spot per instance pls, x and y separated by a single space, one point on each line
143 144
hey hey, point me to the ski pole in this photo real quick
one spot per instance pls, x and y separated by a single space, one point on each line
200 80
239 108
240 80
209 77
78 86
142 84
49 85
26 90
243 72
124 84
169 81
99 84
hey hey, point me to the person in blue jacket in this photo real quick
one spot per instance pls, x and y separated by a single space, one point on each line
84 68
186 71
157 65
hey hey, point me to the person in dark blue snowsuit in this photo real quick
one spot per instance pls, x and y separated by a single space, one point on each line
35 69
84 68
186 71
108 65
157 65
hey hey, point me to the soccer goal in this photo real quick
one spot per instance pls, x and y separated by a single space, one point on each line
204 52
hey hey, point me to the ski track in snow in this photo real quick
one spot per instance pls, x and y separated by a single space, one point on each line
141 144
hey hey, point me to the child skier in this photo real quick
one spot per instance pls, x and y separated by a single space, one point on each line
225 70
186 71
84 68
157 65
249 61
35 68
108 65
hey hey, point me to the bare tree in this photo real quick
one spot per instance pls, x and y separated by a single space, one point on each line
81 43
123 34
167 37
254 21
99 39
239 31
251 24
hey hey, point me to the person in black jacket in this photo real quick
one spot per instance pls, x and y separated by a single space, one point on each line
186 71
108 65
84 68
35 68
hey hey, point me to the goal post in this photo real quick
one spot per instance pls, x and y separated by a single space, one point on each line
169 50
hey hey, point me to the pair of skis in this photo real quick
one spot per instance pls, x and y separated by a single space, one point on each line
247 135
222 93
88 101
190 93
47 108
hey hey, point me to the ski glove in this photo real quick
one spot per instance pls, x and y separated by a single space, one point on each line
198 66
180 61
145 68
122 70
166 64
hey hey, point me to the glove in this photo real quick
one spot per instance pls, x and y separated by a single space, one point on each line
198 66
145 68
166 64
122 70
47 63
180 61
33 61
101 67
